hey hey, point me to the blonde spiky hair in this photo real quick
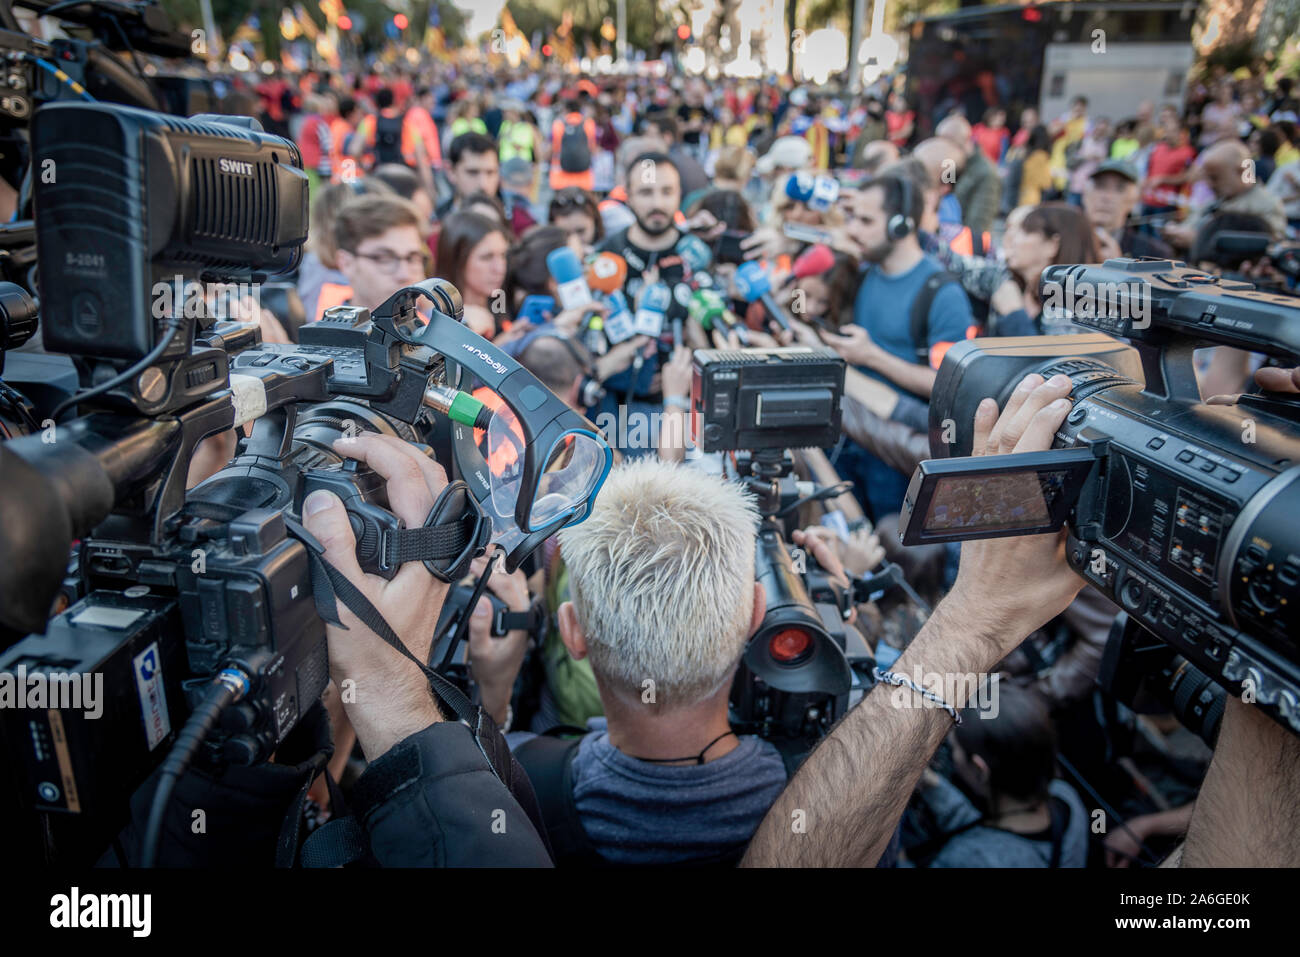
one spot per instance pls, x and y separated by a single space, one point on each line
662 580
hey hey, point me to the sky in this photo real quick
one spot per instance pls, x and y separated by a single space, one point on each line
482 14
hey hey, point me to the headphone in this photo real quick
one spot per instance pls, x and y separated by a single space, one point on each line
901 225
590 390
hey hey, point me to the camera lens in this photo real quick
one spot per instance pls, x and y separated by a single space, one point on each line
322 425
1195 699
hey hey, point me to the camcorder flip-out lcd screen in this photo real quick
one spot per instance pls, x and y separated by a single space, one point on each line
993 496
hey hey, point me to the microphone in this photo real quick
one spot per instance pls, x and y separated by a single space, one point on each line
754 285
695 252
606 273
652 309
813 261
818 193
708 308
566 270
618 324
536 309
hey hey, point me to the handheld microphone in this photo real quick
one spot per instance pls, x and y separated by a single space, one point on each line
618 324
709 309
755 285
593 336
695 252
566 270
813 261
606 273
536 309
652 309
818 193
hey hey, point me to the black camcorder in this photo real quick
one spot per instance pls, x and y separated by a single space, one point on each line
201 611
1182 512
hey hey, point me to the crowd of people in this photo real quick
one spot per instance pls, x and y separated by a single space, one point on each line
887 248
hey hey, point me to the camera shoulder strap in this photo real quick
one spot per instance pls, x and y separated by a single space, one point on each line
329 585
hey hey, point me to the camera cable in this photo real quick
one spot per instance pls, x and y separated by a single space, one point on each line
173 327
229 686
822 494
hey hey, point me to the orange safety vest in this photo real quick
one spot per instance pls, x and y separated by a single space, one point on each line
331 294
940 349
963 244
559 178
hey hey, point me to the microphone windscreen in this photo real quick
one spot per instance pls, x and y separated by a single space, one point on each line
813 261
566 269
607 273
695 252
752 281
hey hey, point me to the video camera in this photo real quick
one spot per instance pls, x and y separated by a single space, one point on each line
1231 248
209 604
103 57
1181 512
802 669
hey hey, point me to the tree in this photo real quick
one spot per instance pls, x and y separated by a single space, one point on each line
649 22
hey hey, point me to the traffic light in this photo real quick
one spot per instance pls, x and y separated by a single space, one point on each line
684 33
546 49
345 22
400 21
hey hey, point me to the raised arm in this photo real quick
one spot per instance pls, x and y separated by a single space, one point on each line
842 806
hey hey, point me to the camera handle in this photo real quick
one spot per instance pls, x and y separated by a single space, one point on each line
1168 369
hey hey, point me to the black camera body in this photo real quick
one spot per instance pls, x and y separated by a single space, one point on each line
137 199
173 594
238 596
1182 513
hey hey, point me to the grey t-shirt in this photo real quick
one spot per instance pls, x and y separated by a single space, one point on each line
982 846
638 813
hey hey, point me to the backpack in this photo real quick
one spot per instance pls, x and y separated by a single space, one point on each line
920 318
575 148
388 139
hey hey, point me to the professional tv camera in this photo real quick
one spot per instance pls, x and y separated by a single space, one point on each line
1181 512
104 56
803 669
213 604
1231 248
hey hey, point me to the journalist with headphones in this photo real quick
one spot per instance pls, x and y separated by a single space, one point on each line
905 316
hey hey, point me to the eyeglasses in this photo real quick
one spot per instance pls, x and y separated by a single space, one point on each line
388 261
566 198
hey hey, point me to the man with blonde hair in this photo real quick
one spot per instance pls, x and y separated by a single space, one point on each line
663 601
